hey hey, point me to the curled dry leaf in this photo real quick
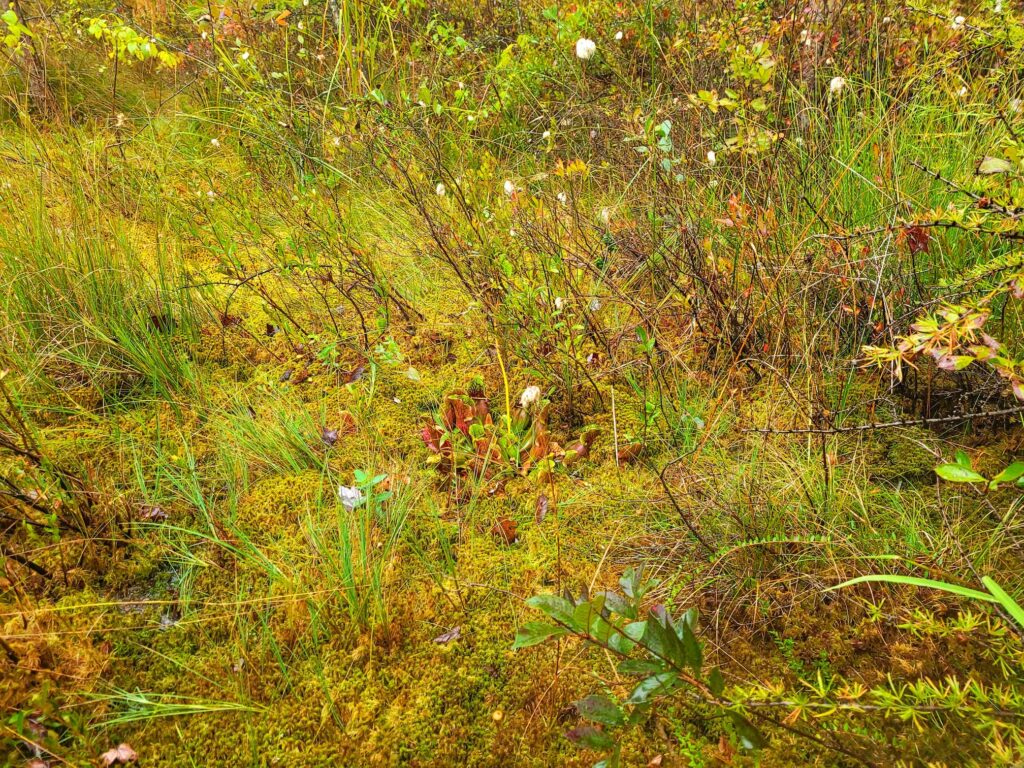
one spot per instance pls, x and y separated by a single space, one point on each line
329 436
122 754
504 531
452 634
542 508
152 512
355 374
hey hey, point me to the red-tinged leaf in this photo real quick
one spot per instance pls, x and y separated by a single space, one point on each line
481 410
505 531
588 438
347 424
457 414
431 435
918 239
541 446
590 736
629 452
163 322
122 754
600 709
229 321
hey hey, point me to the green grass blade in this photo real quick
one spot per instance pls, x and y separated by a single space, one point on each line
1012 606
916 581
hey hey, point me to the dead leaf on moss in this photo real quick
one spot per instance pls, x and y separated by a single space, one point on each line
542 508
122 754
452 634
329 436
504 531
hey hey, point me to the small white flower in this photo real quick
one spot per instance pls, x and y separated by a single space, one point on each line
962 93
546 135
561 197
210 194
440 189
245 56
585 48
999 6
712 157
887 19
595 304
958 22
214 142
836 84
510 188
530 396
512 233
351 497
559 303
618 35
606 215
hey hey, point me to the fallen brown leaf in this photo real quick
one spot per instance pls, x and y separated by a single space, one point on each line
542 507
122 754
504 530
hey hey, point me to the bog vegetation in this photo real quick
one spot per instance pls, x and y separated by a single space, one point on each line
434 382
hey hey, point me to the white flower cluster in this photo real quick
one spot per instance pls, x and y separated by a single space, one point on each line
585 48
